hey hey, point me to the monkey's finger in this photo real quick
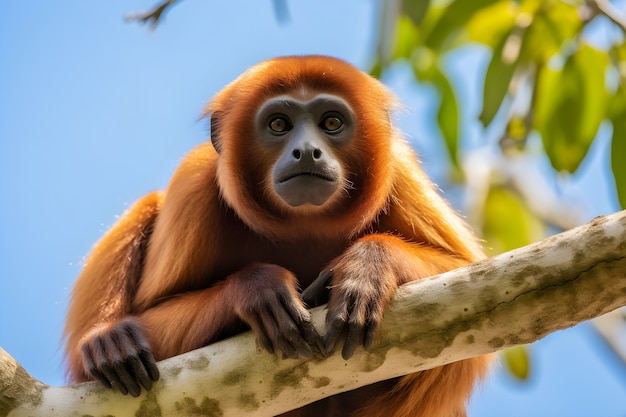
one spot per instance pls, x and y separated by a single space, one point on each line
300 331
285 332
136 349
335 329
90 351
354 338
318 291
128 363
134 375
271 333
370 330
312 337
149 363
105 364
259 331
372 323
309 333
114 379
115 367
125 379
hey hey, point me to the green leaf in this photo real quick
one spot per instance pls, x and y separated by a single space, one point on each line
592 64
452 20
517 361
415 9
377 69
547 97
407 37
448 114
570 105
563 19
618 145
539 44
507 223
498 77
552 24
424 63
493 23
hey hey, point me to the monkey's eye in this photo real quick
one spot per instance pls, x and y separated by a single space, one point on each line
331 123
279 125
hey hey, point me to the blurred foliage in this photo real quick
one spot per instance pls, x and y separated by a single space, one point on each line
541 50
517 361
504 235
575 86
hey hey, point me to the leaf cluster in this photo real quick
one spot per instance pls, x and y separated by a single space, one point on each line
543 48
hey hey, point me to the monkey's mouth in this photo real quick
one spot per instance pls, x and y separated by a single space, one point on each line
307 182
306 187
305 174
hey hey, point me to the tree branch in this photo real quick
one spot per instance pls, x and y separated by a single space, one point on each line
153 17
606 8
515 298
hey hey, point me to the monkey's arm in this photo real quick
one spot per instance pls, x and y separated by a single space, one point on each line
104 291
364 279
262 296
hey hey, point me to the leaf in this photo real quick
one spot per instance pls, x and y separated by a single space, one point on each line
426 68
406 38
563 20
618 145
517 361
377 69
452 20
447 115
552 23
498 77
424 64
557 121
493 23
592 64
570 105
507 223
415 10
539 44
517 129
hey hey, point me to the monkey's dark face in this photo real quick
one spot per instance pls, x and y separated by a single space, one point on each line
305 136
304 146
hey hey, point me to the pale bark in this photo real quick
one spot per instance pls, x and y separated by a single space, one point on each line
515 298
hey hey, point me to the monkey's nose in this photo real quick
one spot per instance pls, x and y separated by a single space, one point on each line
308 152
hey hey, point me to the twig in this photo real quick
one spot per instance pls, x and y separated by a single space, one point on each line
154 16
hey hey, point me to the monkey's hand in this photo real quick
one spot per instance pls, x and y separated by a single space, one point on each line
265 296
119 356
362 283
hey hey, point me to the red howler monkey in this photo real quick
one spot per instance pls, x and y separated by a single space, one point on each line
306 185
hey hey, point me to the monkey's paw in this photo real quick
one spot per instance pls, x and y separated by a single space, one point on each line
119 356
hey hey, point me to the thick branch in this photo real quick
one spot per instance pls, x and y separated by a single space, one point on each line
515 298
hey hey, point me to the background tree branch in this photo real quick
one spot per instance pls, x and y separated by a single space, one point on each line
511 299
153 16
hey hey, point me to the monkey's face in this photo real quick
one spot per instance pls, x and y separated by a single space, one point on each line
305 137
304 146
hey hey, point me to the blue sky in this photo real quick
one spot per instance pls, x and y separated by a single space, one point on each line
95 112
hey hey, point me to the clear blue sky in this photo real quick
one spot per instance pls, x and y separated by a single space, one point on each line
95 112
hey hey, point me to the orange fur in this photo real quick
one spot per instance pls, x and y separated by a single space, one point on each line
187 264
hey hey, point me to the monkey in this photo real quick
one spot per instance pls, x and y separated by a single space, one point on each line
306 194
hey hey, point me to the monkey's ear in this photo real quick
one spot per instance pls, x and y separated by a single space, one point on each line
215 118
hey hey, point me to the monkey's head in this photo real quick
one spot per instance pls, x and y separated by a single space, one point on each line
304 145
